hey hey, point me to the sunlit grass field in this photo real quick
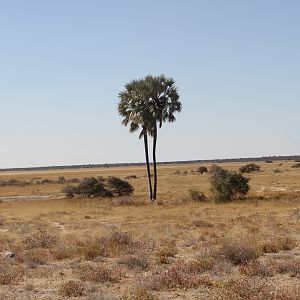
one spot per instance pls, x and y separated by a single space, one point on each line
129 248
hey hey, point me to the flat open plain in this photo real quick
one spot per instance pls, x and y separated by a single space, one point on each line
128 248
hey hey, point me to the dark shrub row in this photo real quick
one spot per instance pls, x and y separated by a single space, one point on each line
99 187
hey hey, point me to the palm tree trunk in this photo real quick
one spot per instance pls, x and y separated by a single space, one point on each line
154 161
148 165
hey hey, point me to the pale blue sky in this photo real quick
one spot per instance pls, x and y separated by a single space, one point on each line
63 63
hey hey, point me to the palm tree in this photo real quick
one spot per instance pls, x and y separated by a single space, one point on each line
163 102
148 103
132 108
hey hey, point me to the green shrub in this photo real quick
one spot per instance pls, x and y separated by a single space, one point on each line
88 187
250 168
202 170
119 186
227 185
92 187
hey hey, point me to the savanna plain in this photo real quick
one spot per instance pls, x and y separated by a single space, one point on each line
127 247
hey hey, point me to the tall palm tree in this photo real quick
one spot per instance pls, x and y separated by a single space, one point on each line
148 103
163 102
132 108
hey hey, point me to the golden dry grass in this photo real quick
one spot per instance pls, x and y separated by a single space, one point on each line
174 249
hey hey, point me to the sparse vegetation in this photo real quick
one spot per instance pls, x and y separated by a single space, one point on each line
275 244
128 248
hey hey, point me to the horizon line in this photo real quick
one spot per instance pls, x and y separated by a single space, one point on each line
120 164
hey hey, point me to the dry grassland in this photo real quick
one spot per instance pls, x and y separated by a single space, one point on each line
128 248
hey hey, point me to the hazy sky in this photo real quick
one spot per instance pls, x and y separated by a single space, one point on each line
63 63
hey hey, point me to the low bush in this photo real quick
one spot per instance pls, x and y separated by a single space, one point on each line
137 262
250 168
61 180
256 268
139 294
168 249
119 186
115 244
91 187
40 239
227 185
202 170
69 191
291 267
179 275
13 182
198 196
10 274
276 244
238 252
72 289
98 274
36 256
297 165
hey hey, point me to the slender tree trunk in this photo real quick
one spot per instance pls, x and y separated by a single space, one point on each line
148 165
154 161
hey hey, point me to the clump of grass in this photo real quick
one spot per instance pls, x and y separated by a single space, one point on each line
10 274
72 289
139 294
276 244
115 244
202 223
61 252
255 288
200 265
167 250
179 275
291 267
136 262
198 196
40 239
238 252
256 268
98 274
36 256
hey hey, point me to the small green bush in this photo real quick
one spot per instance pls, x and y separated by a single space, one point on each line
227 185
88 187
119 186
202 170
250 168
92 187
